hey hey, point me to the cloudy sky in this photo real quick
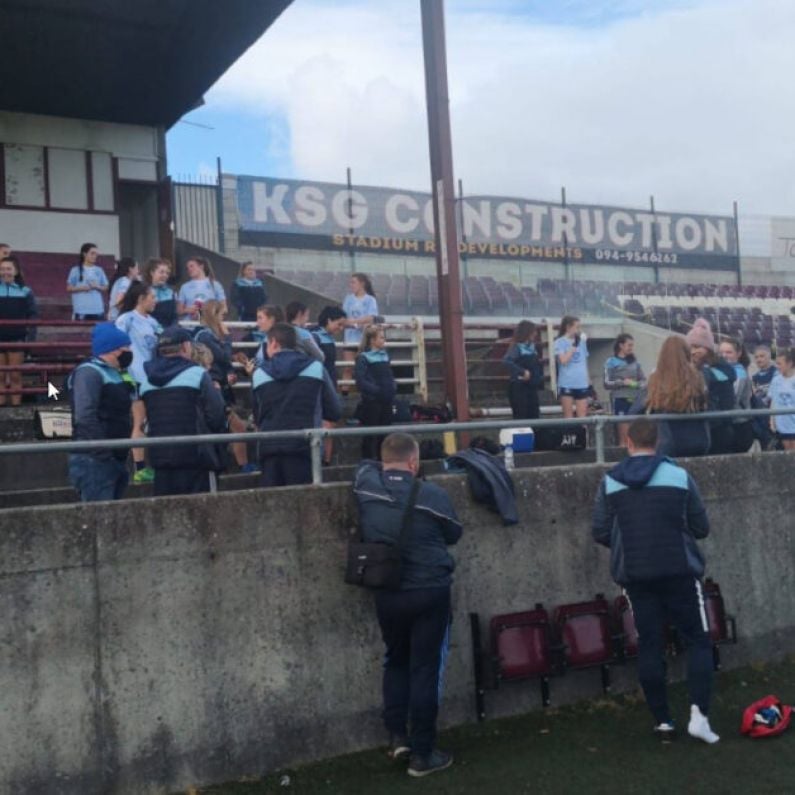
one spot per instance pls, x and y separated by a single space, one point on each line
688 100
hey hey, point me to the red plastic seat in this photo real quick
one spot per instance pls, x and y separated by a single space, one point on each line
722 627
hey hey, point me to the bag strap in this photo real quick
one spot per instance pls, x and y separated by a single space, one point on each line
407 513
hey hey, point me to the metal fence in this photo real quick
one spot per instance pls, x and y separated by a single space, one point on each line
197 212
315 436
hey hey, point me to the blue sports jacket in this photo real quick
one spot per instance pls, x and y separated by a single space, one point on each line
649 513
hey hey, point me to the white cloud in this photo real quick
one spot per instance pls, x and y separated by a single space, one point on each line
691 103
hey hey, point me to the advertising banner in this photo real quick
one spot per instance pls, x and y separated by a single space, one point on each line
285 213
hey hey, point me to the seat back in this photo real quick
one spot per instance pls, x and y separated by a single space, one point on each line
715 609
584 630
625 623
521 644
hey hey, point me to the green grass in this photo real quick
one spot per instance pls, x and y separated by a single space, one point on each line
602 746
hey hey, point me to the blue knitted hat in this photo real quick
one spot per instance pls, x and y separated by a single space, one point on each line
106 338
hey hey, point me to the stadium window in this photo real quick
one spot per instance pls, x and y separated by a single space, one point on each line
102 181
67 179
24 176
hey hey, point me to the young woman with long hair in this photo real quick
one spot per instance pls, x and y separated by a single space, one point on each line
126 273
733 353
142 328
623 379
571 357
526 372
377 387
782 395
201 286
214 334
17 302
677 387
87 285
361 309
247 293
157 272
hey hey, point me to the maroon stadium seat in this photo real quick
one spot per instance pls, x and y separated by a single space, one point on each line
722 627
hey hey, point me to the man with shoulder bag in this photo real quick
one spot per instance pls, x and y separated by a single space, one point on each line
406 527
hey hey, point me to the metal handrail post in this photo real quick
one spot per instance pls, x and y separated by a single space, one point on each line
421 369
599 433
316 450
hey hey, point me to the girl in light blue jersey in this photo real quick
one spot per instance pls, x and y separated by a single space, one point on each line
782 395
127 272
201 286
87 285
571 357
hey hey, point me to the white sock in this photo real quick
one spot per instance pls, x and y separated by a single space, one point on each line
699 726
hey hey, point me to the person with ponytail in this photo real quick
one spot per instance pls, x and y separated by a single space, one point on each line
201 286
87 283
526 372
361 309
623 379
571 357
376 384
17 302
127 272
137 322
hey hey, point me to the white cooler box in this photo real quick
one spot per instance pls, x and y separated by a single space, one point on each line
522 440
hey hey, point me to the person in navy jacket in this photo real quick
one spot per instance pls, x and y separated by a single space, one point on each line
376 384
17 302
292 391
649 513
248 293
526 372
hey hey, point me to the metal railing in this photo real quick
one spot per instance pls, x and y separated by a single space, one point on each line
315 436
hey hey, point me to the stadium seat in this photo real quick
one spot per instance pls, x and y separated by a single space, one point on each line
520 649
583 631
627 633
722 627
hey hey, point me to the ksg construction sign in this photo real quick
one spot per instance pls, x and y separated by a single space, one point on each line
286 213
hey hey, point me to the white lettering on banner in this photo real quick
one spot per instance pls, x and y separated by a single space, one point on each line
509 221
340 209
536 213
664 230
393 204
311 208
480 218
563 223
427 216
619 238
716 235
684 240
273 203
646 221
590 235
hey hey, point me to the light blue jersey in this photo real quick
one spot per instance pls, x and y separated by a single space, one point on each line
120 286
200 290
355 308
143 331
573 374
782 396
89 302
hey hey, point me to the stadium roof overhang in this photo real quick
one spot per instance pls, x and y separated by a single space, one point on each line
132 61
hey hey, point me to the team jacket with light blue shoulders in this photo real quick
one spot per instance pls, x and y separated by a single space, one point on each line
292 392
181 400
649 513
17 303
373 374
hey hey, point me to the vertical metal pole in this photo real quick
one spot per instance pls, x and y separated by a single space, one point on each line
737 242
351 251
421 370
316 448
451 311
464 257
565 240
600 440
654 239
219 204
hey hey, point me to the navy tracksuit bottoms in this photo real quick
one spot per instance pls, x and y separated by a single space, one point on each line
415 625
678 601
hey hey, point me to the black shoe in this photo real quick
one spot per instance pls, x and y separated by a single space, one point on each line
665 732
425 765
398 746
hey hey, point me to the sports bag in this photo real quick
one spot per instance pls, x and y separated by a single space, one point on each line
767 717
376 565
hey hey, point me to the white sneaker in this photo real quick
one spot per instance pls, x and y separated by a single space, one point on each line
699 726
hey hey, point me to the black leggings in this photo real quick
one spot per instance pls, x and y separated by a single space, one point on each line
524 400
373 413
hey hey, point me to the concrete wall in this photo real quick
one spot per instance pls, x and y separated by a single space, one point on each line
204 639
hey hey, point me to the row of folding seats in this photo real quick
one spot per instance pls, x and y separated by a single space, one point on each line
534 645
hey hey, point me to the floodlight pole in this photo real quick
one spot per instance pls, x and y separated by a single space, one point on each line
451 312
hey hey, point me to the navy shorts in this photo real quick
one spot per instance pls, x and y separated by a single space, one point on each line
577 394
621 406
786 436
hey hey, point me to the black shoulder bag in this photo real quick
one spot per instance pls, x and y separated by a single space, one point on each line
377 565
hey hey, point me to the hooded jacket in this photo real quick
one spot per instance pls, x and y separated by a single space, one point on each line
381 497
649 513
181 400
328 347
374 378
17 303
292 392
489 482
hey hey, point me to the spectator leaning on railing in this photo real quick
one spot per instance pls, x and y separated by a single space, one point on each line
17 302
101 394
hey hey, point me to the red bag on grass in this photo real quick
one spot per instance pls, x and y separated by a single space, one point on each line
767 717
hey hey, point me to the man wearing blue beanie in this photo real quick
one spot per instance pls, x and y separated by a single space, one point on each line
101 399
